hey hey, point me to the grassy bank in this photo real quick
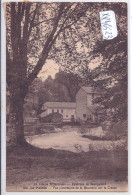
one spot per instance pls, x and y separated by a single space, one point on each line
34 164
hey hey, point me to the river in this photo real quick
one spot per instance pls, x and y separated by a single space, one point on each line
72 140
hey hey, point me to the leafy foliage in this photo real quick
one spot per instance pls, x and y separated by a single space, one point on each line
61 89
111 74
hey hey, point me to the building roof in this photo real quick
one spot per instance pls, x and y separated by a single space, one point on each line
90 90
60 104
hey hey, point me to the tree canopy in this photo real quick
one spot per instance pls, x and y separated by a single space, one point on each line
111 74
33 31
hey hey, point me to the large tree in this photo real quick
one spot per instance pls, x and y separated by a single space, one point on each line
33 31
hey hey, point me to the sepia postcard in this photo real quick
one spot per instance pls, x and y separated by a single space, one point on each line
66 96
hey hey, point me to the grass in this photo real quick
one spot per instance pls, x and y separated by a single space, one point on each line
32 164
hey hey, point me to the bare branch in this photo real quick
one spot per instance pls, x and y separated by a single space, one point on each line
34 25
32 21
22 11
25 28
46 47
68 7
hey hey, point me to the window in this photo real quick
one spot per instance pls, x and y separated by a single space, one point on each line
61 110
84 115
66 115
52 110
58 110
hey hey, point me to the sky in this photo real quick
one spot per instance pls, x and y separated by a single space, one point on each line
51 68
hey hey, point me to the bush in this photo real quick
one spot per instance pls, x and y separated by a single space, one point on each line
117 131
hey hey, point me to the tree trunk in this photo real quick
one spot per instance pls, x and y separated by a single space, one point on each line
15 132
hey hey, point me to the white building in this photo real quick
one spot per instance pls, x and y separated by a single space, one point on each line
85 107
66 109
